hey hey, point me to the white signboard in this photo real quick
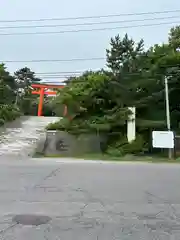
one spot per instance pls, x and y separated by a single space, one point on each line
163 139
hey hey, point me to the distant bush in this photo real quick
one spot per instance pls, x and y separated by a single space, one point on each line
122 147
8 113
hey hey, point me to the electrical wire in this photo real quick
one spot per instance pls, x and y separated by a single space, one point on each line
146 54
88 24
57 77
91 17
53 60
66 72
69 60
86 30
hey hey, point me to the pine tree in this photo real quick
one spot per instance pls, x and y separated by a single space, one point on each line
25 77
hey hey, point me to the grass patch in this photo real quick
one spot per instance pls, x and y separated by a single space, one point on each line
106 157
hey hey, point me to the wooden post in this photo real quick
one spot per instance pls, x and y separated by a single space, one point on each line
40 106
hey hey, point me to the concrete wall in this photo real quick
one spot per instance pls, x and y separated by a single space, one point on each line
65 144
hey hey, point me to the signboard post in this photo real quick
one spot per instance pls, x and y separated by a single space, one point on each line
163 139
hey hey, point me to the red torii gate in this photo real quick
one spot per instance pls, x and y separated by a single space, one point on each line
42 90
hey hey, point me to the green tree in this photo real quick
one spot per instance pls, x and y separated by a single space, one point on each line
123 53
7 86
99 101
24 77
168 66
8 111
163 61
174 38
131 75
88 102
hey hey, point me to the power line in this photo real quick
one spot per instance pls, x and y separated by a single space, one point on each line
88 24
90 17
148 54
64 77
53 60
87 30
71 73
59 77
74 75
66 72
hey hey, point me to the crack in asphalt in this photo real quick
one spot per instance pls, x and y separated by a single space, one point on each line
165 201
51 174
165 221
164 226
5 230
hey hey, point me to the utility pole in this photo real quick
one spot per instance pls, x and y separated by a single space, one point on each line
168 119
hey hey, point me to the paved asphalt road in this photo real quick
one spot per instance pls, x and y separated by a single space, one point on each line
79 201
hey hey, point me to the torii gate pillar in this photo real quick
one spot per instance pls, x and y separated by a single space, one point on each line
41 100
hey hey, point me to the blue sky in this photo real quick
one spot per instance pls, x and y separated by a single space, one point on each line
75 45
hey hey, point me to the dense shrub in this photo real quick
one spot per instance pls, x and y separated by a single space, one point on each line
122 147
8 113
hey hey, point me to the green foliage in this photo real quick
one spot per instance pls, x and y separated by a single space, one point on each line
7 85
91 104
16 90
27 102
6 79
99 101
6 94
8 113
174 37
122 53
25 77
122 147
47 107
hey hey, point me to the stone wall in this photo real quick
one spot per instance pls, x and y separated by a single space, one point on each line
65 144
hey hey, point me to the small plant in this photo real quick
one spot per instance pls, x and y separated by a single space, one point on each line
8 113
122 147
